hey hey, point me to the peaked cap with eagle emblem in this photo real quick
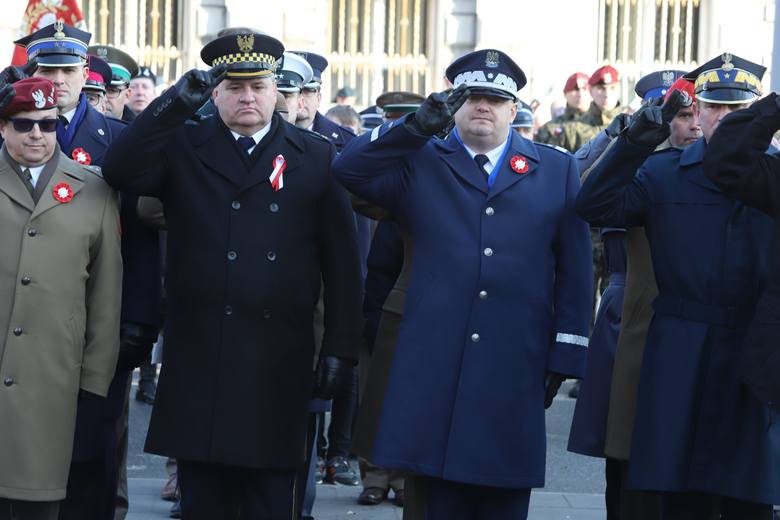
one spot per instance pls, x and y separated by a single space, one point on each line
247 56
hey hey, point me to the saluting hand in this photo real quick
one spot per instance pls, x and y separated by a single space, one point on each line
650 124
196 85
437 111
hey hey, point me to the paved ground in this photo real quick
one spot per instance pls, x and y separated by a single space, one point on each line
573 491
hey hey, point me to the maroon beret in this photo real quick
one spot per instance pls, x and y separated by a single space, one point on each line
576 81
604 75
31 94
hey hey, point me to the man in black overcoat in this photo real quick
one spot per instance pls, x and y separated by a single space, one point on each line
255 222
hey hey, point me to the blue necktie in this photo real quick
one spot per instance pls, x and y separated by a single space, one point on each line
246 143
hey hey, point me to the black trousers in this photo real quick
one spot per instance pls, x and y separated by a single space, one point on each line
342 422
214 491
701 506
23 510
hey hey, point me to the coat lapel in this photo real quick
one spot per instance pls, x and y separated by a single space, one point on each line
12 185
214 149
286 142
93 135
691 159
70 173
507 177
459 161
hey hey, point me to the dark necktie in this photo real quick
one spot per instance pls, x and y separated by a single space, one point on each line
63 121
481 160
246 143
27 179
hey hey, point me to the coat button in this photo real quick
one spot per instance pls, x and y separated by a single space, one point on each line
26 280
489 211
232 255
475 337
488 251
32 232
8 381
271 256
483 295
235 204
228 310
274 207
18 331
267 314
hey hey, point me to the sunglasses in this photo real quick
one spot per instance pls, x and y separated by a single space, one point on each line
25 125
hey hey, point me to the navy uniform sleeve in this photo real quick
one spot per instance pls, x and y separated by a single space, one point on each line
385 261
135 161
375 166
613 194
736 159
573 286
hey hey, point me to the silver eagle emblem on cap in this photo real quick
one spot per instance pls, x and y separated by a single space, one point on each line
59 29
667 78
491 59
727 65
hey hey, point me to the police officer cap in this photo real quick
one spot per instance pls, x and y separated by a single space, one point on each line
99 74
370 121
146 72
523 119
294 72
399 102
656 84
576 81
727 80
56 45
487 72
318 65
123 67
605 75
247 55
281 105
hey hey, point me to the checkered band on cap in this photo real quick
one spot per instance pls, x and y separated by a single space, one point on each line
246 57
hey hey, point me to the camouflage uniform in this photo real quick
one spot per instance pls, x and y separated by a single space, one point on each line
576 133
549 132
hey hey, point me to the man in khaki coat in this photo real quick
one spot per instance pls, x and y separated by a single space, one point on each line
60 292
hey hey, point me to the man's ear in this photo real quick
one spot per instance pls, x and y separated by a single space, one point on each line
85 72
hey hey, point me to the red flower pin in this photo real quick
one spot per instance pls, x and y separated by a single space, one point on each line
63 193
519 164
81 156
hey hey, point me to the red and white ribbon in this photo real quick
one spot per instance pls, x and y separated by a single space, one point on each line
277 177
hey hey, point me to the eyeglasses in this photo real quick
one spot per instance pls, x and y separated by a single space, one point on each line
25 125
113 93
94 98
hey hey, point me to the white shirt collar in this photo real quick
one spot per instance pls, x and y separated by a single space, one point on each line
69 115
257 136
493 155
35 172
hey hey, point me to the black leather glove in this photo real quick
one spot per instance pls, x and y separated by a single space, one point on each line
7 93
135 345
437 111
13 74
552 382
195 86
650 124
333 374
618 124
769 108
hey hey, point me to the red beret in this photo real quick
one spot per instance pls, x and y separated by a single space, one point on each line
604 75
31 94
682 85
576 81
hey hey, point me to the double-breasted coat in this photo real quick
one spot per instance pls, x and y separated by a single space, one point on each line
499 293
244 267
697 428
60 291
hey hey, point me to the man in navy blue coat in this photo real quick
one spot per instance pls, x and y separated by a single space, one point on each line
700 436
498 307
84 134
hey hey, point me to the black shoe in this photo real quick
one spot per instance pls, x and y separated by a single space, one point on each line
398 499
574 391
176 510
372 496
144 397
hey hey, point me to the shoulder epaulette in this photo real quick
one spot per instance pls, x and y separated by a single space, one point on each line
554 147
312 133
94 170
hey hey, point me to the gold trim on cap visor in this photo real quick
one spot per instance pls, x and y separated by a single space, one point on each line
255 74
244 57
